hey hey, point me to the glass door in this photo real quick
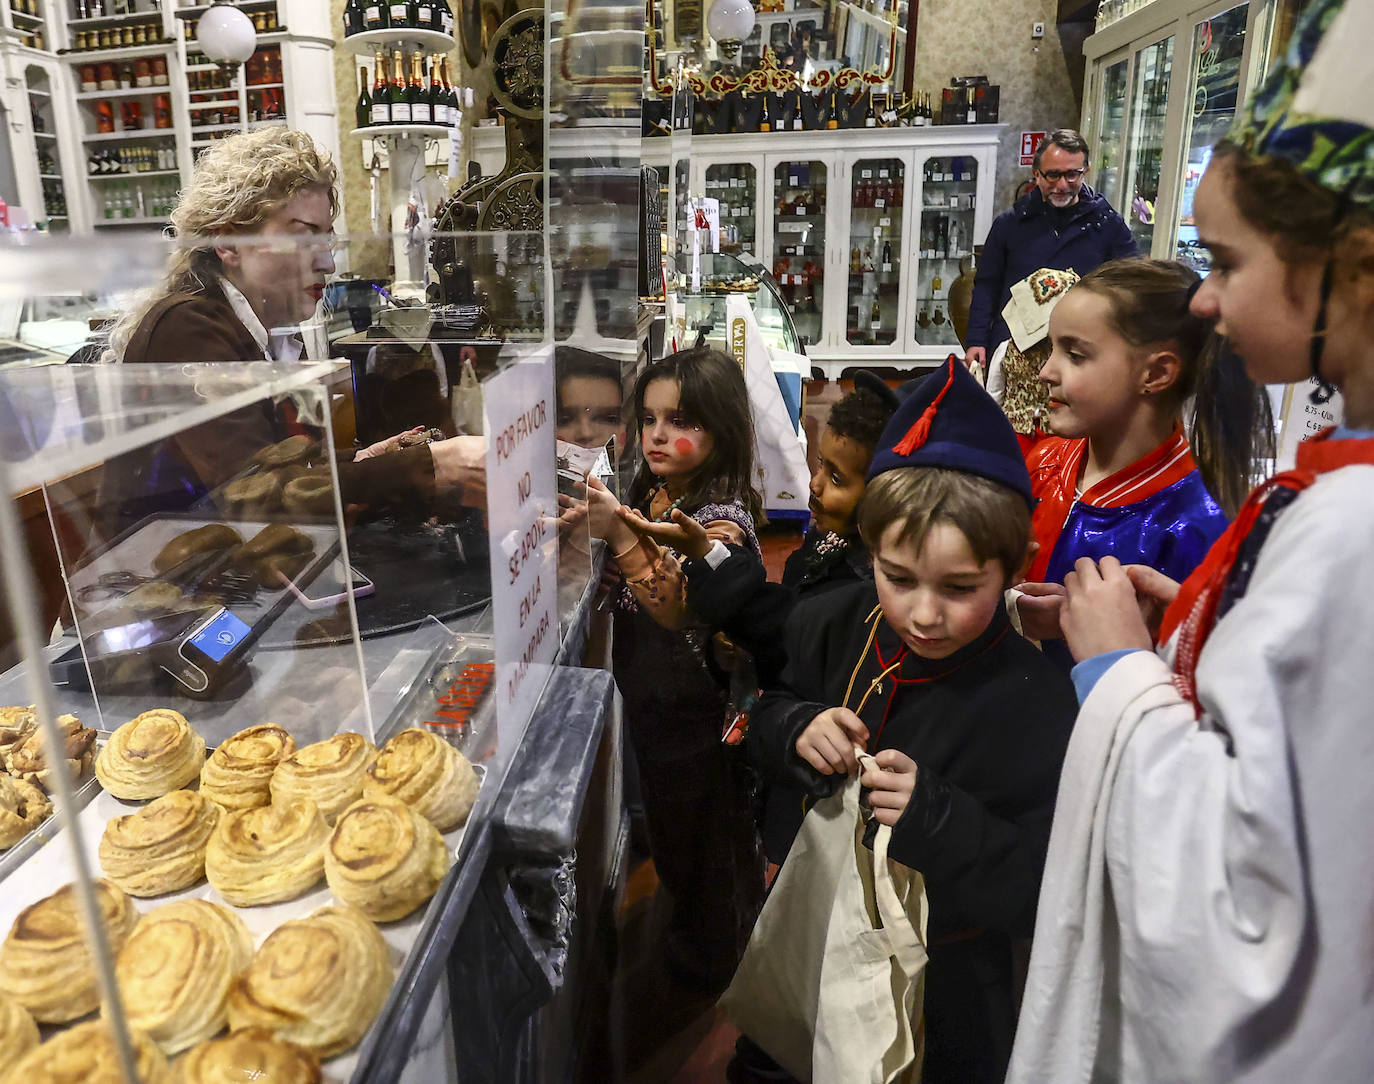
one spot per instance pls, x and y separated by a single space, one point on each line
949 188
735 185
1106 171
1145 150
1215 86
876 204
799 242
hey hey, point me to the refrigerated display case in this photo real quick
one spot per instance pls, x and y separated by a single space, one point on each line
1162 88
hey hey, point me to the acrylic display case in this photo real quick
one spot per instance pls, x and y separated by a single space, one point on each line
198 538
724 275
1163 85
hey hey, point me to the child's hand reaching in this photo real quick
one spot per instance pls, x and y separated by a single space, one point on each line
828 741
890 785
1038 607
602 509
683 533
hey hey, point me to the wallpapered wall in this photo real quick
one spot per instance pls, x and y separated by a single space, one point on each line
993 38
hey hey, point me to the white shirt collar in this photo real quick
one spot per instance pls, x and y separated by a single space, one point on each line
282 344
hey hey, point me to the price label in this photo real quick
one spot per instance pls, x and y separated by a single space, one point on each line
882 173
884 221
880 203
801 210
886 268
866 174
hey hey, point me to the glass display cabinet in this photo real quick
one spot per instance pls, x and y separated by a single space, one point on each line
724 274
736 187
877 198
949 205
1163 85
799 216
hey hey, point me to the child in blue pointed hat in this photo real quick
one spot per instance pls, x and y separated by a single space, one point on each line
967 720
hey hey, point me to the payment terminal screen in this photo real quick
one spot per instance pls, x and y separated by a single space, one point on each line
219 637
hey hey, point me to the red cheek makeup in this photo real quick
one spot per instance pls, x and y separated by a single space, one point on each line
684 446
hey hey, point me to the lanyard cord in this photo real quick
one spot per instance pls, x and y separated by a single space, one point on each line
874 617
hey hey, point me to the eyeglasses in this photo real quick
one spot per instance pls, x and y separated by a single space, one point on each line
1069 175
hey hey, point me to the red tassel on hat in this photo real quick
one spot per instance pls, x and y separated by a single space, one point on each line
917 434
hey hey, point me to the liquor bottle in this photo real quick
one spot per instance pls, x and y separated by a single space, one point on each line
398 15
875 319
376 14
354 18
939 317
854 265
971 108
381 92
400 104
445 18
413 13
870 118
887 254
438 100
832 115
363 111
798 118
419 97
765 121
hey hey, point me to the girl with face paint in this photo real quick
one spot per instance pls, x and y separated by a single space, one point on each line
697 441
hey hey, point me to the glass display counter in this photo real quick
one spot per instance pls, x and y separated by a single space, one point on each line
253 637
724 275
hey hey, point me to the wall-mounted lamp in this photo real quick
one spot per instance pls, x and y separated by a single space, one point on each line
730 22
226 35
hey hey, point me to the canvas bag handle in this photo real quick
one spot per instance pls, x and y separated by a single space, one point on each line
898 938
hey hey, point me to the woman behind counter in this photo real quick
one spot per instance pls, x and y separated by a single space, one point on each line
225 301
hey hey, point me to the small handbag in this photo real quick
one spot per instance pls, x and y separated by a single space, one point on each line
831 983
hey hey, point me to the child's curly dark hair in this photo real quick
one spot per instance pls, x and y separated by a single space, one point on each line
861 416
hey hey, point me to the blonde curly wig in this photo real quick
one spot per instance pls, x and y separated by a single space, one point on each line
237 184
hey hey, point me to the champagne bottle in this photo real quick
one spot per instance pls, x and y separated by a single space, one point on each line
438 100
870 118
445 18
381 93
455 110
765 121
400 104
363 111
354 18
971 108
419 97
832 117
798 118
376 15
430 18
398 16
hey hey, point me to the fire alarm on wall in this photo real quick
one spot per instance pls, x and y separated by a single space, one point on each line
1037 30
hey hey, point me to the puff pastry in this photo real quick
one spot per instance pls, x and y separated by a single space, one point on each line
44 962
253 1054
294 449
310 494
151 755
29 760
255 495
23 807
87 1054
424 771
267 853
330 773
198 540
317 981
18 1032
238 774
384 858
161 847
176 969
17 724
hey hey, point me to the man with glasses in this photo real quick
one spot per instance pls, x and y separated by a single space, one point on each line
1062 224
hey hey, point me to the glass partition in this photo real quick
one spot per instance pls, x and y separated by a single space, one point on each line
1111 134
1145 152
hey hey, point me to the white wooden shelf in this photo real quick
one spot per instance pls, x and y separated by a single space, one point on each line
124 52
103 223
374 130
137 133
431 41
129 175
126 92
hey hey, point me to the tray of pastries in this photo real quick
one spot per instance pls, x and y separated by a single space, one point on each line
260 897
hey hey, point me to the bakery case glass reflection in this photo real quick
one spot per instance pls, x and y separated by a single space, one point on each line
218 668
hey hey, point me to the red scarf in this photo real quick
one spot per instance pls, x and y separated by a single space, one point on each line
1194 610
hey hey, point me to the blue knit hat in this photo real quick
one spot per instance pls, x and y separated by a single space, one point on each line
949 421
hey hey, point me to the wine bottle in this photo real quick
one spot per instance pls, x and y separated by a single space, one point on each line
971 112
363 111
455 110
832 117
354 18
445 18
765 121
887 254
876 316
398 16
400 104
376 14
438 100
381 93
430 18
419 97
870 118
798 118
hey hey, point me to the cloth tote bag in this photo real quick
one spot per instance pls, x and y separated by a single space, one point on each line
832 981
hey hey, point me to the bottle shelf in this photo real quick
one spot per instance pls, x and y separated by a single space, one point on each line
242 5
124 52
49 177
137 133
45 135
435 130
130 175
216 103
431 41
34 20
103 223
124 92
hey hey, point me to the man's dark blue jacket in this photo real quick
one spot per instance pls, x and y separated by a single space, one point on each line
1029 237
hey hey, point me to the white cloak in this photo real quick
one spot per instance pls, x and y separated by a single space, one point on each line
1207 912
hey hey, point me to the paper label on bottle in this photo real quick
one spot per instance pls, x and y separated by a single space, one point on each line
880 203
373 14
797 123
381 114
441 114
866 174
801 210
400 112
419 113
886 268
882 174
398 14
